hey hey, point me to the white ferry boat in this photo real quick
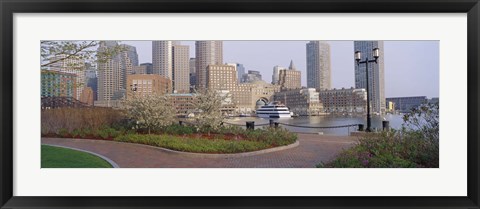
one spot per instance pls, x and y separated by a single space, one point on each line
273 110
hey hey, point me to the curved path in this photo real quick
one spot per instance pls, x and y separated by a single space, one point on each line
312 150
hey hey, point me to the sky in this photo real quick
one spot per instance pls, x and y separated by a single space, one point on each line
411 67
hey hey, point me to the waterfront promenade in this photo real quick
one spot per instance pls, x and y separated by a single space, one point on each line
312 149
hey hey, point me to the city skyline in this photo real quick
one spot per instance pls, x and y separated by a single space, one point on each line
412 62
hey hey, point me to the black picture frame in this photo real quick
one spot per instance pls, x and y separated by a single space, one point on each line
9 7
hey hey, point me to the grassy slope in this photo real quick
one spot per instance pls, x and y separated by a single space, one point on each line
56 157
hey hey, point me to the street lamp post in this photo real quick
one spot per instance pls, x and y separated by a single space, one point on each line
358 57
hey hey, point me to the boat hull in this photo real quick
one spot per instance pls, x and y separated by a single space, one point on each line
273 115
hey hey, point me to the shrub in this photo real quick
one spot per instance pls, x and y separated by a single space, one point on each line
69 119
415 145
255 140
178 130
63 132
196 145
108 133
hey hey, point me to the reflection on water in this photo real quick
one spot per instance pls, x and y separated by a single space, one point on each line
325 121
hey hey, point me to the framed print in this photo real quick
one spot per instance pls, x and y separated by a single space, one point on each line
265 104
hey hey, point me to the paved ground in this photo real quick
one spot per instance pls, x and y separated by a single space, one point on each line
312 150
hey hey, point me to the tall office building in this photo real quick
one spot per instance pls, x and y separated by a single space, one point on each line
91 79
276 73
289 78
181 69
240 69
375 72
171 60
192 65
207 53
127 59
131 53
162 58
319 72
193 71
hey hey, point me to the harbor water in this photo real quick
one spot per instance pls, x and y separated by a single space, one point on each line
319 124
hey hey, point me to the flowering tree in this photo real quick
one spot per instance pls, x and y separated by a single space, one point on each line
151 112
54 52
208 106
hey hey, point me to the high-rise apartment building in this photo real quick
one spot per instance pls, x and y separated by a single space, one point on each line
181 69
112 73
289 78
73 65
376 74
319 72
58 84
207 53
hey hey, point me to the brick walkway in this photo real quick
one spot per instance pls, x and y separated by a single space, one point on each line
312 150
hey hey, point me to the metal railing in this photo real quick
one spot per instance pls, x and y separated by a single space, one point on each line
251 125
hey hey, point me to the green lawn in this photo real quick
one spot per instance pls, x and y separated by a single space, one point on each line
56 157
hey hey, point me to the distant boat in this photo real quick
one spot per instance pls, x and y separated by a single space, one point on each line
274 110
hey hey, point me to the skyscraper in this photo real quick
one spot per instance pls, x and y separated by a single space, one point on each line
193 71
131 53
171 60
207 53
162 58
110 74
181 69
318 65
240 71
376 74
276 72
